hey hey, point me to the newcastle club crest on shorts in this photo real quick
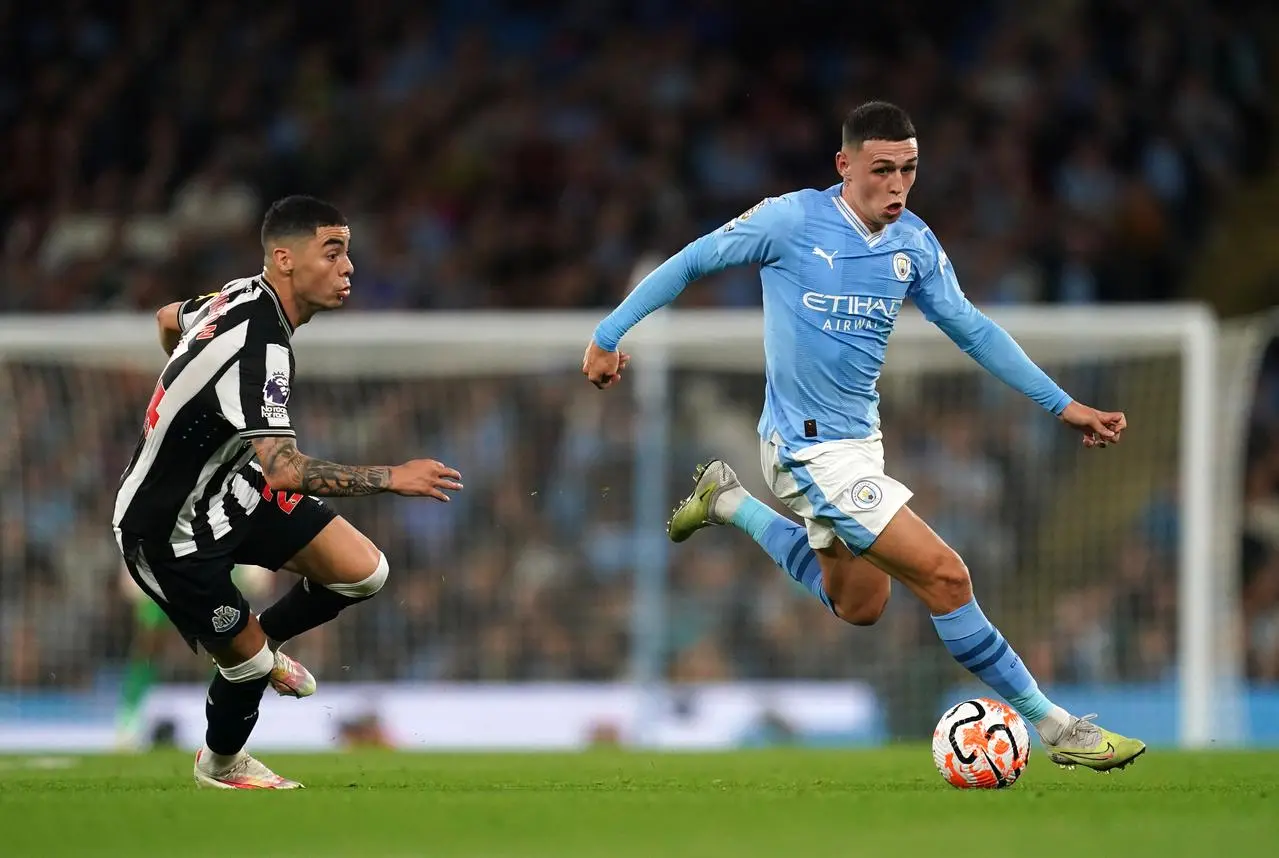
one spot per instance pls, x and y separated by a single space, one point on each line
225 618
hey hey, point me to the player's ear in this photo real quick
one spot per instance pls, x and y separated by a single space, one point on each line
282 256
841 164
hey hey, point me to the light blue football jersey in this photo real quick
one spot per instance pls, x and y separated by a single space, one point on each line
832 292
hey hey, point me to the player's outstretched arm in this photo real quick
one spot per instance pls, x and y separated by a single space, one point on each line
603 362
287 468
755 236
944 304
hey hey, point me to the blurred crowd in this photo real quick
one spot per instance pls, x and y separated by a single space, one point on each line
1261 522
529 574
500 153
1071 152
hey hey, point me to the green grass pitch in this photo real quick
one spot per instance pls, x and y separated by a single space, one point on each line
788 803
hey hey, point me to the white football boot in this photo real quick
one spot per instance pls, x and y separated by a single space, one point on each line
244 772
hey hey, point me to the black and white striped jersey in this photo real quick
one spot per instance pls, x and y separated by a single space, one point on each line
190 483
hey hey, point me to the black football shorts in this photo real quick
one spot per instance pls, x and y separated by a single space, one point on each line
196 592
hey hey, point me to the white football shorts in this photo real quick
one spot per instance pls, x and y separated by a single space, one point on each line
839 488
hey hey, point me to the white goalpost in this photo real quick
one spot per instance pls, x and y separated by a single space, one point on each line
1107 569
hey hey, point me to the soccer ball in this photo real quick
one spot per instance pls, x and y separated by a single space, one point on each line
981 744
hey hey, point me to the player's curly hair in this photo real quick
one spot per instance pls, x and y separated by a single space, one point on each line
298 215
877 120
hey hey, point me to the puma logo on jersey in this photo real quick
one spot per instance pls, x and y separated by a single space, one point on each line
829 257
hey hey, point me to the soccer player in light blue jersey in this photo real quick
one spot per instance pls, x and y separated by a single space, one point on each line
836 266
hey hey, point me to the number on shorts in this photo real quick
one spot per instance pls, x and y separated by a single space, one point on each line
286 502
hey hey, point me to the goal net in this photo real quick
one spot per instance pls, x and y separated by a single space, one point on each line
552 564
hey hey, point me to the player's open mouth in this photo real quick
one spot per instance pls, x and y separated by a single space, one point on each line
894 208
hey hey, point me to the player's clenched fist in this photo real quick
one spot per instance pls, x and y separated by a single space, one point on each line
1100 428
425 478
603 368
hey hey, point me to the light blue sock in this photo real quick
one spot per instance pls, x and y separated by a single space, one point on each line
979 647
785 542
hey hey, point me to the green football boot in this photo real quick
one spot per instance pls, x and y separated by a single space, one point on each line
1085 744
698 509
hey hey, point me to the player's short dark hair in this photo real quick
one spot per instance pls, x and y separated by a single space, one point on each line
298 215
877 120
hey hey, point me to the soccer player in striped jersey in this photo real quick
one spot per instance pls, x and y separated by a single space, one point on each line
836 265
217 480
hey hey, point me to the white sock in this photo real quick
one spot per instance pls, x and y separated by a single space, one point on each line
726 504
218 762
1054 724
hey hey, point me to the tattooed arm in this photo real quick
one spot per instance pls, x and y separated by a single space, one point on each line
287 468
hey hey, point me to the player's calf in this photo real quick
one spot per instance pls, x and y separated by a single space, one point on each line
339 568
862 613
858 590
231 705
308 604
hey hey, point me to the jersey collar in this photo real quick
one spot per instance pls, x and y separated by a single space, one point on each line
279 306
846 211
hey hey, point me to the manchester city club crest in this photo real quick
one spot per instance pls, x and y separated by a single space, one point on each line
866 494
901 266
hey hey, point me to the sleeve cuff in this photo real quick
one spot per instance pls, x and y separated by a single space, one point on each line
605 340
277 432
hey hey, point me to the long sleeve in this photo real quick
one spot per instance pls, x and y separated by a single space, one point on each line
753 237
942 301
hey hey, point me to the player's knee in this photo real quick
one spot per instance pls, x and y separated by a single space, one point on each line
949 587
857 589
254 667
366 587
867 612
